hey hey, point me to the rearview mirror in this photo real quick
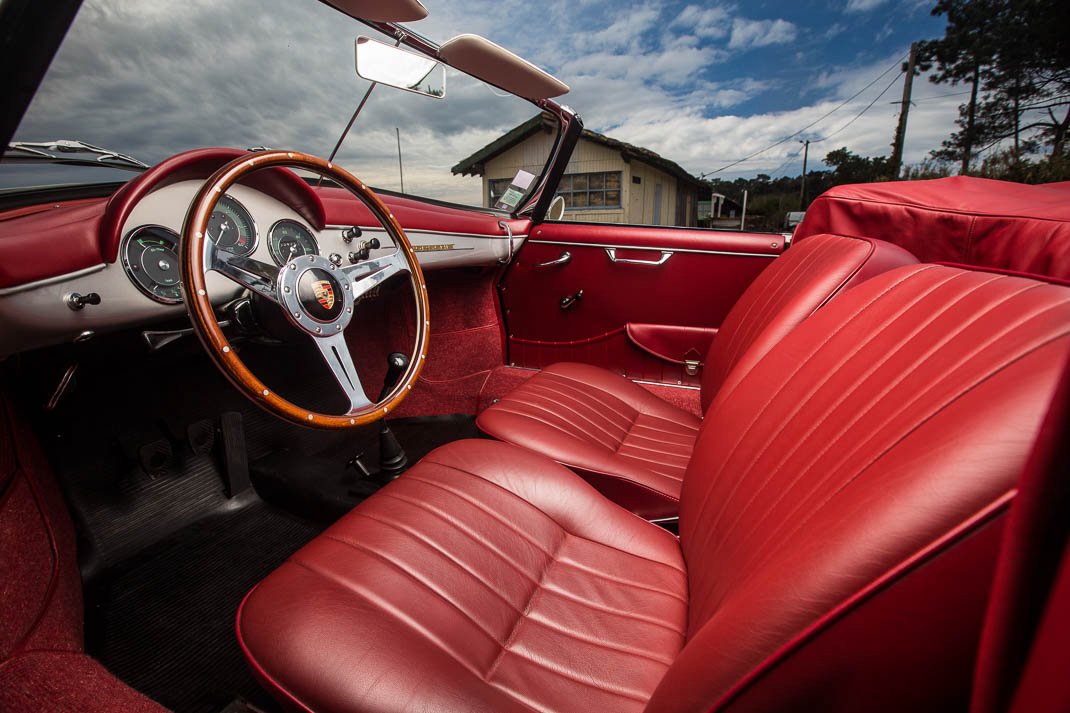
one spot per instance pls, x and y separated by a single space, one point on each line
384 64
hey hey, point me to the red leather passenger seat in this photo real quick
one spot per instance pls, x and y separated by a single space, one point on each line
839 524
633 446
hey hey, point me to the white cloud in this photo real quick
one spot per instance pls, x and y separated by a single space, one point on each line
679 129
863 5
625 31
760 33
710 22
834 30
640 75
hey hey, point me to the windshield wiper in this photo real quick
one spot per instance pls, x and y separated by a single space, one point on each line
50 151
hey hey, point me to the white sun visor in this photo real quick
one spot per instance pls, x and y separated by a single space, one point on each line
496 65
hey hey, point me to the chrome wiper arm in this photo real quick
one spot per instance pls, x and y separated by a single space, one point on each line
42 149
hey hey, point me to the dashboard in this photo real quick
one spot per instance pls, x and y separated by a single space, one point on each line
142 285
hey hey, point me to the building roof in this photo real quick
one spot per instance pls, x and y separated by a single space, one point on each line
474 165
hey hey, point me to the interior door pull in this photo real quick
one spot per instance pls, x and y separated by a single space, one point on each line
570 300
612 253
566 258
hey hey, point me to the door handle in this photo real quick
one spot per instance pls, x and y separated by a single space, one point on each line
566 258
612 253
570 300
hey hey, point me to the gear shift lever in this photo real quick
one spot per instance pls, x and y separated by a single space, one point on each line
392 458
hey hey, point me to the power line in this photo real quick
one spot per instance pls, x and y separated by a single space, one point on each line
791 157
859 114
941 96
854 96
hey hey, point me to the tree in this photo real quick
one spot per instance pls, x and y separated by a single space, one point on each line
966 49
849 167
1015 57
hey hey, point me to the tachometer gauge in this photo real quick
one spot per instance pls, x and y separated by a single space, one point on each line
150 258
289 239
231 227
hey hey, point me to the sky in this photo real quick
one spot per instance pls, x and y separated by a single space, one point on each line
703 84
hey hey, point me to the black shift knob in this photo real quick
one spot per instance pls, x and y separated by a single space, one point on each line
396 364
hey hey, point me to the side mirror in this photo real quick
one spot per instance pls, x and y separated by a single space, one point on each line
384 64
556 211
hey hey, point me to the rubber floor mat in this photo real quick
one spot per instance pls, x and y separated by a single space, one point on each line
164 623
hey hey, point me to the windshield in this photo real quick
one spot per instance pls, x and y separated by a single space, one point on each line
150 80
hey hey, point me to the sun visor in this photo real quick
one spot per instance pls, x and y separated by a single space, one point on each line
496 65
381 10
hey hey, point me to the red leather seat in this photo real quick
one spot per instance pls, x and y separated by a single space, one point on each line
838 529
633 446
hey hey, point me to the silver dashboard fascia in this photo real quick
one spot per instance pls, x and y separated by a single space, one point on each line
36 314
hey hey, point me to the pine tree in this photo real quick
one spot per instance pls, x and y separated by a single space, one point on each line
1015 57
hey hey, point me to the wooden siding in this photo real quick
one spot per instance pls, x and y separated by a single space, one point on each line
637 200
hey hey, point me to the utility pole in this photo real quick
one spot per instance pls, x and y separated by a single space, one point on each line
401 172
904 110
802 189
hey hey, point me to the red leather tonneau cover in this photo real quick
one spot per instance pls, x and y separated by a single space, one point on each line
973 221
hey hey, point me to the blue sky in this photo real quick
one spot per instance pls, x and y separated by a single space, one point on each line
700 83
708 83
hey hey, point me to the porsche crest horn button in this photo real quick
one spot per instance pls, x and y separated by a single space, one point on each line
320 295
324 291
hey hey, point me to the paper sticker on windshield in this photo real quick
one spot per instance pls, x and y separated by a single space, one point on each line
510 199
523 179
512 196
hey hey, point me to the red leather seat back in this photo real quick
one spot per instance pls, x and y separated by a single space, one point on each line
887 431
789 290
1022 662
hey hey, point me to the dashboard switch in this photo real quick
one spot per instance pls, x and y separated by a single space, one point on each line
349 233
78 302
335 259
363 251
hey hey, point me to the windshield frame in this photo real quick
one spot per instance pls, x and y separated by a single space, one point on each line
531 204
537 200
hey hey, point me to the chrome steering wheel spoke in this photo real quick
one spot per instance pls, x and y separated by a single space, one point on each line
335 352
369 274
253 275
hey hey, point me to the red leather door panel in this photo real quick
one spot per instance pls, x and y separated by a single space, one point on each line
695 286
671 343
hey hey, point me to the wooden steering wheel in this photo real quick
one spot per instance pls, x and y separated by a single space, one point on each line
316 295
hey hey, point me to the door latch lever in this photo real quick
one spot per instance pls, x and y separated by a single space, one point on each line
570 300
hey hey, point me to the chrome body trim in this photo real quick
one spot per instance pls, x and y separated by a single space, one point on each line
424 231
645 247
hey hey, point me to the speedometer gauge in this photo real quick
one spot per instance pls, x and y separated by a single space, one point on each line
231 227
289 239
150 258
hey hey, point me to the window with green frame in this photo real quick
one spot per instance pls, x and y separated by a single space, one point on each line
599 190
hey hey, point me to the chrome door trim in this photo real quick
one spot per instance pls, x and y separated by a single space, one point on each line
612 254
566 258
648 247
